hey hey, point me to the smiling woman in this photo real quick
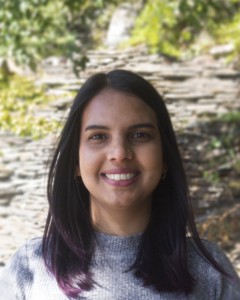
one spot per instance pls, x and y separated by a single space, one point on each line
120 224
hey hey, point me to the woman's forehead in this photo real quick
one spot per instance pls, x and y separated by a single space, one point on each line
115 106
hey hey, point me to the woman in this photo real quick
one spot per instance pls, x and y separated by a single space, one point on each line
119 211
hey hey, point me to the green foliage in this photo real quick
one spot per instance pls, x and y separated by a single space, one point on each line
215 143
232 117
20 99
172 27
211 176
229 32
33 29
154 29
228 139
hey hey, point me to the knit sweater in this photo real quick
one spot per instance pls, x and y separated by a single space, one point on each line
25 277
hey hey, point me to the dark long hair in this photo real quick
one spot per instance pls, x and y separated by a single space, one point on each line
68 238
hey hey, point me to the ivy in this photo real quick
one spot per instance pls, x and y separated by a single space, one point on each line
173 27
31 30
228 138
20 100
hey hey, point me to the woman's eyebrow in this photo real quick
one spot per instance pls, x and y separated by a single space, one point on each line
141 125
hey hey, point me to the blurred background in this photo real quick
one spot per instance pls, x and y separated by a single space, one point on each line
188 49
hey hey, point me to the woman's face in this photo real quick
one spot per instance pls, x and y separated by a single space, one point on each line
112 123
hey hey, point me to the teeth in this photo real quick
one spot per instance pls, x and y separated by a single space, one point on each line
120 177
123 176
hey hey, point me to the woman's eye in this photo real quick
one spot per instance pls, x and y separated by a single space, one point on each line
97 137
100 136
140 135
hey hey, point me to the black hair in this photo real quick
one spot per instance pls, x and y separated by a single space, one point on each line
68 238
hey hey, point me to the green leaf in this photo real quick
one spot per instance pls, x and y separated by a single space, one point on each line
99 3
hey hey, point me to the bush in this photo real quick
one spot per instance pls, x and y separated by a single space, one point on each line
19 101
172 27
33 29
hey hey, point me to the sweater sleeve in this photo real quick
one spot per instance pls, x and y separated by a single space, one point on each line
226 289
15 278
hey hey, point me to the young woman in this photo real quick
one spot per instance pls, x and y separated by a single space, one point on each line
119 211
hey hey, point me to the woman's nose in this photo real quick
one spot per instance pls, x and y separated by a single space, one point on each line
119 151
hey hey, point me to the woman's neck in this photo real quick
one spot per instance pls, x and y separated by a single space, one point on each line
120 221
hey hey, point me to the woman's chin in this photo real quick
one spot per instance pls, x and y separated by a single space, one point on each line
120 203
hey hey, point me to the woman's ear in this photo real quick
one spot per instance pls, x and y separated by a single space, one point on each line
165 167
164 170
77 171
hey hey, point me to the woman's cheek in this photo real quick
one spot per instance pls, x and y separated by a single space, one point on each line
89 160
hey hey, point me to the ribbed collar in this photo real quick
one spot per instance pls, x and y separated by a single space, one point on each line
117 244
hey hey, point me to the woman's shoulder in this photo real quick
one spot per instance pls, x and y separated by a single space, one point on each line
207 275
29 253
25 275
19 271
212 248
30 249
34 246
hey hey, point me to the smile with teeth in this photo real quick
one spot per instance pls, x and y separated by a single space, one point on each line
120 177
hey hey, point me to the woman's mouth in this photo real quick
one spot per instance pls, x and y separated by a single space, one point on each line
121 180
120 177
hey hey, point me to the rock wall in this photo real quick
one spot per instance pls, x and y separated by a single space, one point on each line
194 92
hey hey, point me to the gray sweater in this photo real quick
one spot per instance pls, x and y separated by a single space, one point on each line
25 276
